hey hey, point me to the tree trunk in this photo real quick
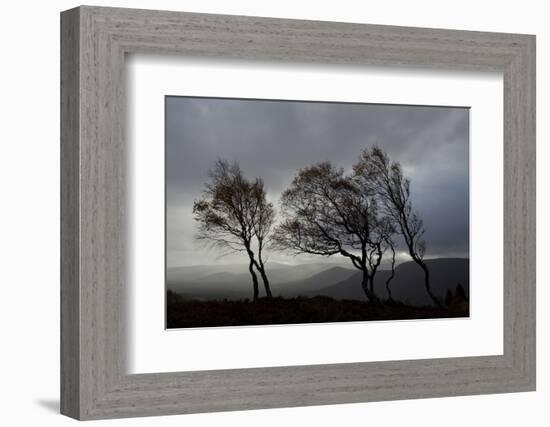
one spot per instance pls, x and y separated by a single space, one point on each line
392 274
424 267
254 279
375 298
388 289
366 285
265 280
252 272
261 268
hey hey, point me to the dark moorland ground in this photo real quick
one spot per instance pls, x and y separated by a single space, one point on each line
189 313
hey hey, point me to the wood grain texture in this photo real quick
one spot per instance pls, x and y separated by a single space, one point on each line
70 220
94 272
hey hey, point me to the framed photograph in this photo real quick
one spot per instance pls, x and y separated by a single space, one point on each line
328 228
262 213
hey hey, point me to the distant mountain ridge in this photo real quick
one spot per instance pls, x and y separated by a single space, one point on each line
231 282
278 273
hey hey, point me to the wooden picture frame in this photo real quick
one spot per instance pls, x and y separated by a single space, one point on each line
94 382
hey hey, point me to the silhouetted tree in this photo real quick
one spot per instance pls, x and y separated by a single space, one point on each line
326 213
262 230
391 247
232 211
381 237
461 292
456 299
377 170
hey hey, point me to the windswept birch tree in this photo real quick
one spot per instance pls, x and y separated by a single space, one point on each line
325 213
394 192
232 212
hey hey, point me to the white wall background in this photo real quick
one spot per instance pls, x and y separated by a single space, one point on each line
29 224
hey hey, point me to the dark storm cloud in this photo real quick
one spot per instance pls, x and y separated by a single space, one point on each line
273 139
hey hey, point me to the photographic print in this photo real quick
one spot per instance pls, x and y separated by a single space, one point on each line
296 212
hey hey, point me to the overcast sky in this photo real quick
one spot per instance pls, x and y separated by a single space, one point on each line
273 139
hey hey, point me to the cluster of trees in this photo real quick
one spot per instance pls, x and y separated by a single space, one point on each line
360 216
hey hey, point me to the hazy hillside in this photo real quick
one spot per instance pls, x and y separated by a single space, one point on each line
408 283
279 273
314 283
231 282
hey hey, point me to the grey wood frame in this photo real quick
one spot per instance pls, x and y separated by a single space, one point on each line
94 41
